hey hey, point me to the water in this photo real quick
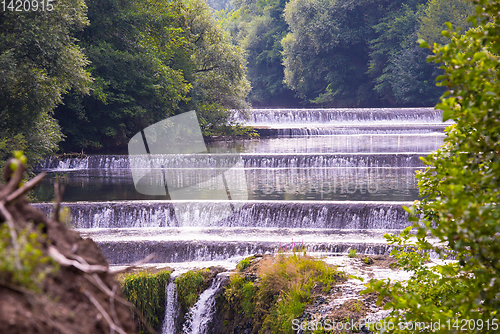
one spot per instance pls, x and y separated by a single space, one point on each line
345 116
200 316
333 178
171 308
321 180
299 183
264 214
205 244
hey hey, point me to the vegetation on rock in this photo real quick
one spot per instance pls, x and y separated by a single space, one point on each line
268 301
146 290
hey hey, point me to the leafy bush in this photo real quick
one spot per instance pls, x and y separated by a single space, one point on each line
460 191
352 253
34 265
147 292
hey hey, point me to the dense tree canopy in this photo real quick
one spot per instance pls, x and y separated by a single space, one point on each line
151 60
39 62
341 53
259 27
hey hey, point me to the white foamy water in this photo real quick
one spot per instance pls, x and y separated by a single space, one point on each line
171 308
201 314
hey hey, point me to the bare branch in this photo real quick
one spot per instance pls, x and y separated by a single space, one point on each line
112 305
133 265
14 180
207 69
25 188
64 261
96 280
112 325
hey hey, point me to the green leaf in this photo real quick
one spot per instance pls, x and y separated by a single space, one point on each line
448 114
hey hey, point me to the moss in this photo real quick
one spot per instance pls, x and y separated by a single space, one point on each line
146 291
245 263
189 287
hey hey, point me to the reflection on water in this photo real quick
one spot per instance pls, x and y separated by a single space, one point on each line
360 167
335 144
361 184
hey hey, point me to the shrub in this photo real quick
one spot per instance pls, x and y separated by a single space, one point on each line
34 266
352 253
147 292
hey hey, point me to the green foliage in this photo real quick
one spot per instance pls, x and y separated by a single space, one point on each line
39 63
189 286
367 260
437 12
397 65
259 26
352 253
460 190
245 263
241 294
152 60
34 264
147 292
282 293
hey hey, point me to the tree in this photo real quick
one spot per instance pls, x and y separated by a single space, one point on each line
39 62
152 60
437 12
329 56
461 187
259 28
397 65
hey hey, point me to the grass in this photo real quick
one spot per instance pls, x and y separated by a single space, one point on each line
281 292
146 291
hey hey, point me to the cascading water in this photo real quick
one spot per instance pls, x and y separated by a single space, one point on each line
262 214
322 170
200 316
344 116
171 308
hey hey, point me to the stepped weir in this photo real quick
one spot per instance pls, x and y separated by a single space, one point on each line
321 180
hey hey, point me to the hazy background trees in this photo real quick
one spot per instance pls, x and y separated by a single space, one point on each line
342 53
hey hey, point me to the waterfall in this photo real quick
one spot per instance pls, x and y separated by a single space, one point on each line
171 308
200 316
181 162
175 245
276 214
343 116
380 129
